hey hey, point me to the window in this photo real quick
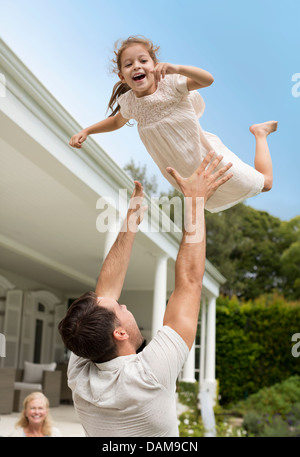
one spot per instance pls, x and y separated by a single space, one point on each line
41 307
38 340
197 351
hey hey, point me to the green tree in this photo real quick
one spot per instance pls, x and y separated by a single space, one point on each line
290 261
256 255
139 173
256 252
290 258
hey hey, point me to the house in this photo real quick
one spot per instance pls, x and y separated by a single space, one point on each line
51 248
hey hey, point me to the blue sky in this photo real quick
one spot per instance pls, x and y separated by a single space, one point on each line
250 47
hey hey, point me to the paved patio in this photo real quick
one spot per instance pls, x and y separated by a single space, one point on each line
63 417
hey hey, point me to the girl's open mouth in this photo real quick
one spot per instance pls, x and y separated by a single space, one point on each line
139 77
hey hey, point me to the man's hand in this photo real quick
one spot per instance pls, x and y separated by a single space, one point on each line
136 211
114 268
204 181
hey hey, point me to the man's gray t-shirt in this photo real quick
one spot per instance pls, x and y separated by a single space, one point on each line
130 395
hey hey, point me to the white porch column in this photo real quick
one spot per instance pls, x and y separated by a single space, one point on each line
202 343
189 367
159 294
110 238
210 362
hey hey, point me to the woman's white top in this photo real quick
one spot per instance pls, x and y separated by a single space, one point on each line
19 432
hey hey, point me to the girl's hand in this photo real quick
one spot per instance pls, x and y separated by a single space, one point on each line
162 69
78 139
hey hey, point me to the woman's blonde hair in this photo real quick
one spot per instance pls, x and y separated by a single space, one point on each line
23 421
120 88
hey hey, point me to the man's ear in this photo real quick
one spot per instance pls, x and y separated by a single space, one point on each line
120 334
121 77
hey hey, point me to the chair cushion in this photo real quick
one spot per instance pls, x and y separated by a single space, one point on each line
27 386
33 372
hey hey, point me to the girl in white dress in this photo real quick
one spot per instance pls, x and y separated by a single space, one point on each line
164 100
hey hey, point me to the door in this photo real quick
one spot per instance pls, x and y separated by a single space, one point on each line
58 348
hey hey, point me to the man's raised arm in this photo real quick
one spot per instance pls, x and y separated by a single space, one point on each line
183 306
114 268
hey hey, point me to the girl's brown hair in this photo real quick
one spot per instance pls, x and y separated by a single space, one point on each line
120 88
23 421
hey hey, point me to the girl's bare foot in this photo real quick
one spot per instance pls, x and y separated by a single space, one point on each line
263 129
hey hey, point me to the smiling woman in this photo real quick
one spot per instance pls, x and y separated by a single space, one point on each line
35 420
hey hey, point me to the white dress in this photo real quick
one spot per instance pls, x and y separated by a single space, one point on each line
169 128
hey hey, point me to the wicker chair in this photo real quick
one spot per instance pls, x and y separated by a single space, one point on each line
49 384
7 379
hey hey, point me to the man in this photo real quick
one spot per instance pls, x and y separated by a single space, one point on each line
117 391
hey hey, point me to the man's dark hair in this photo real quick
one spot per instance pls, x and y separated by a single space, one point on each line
87 329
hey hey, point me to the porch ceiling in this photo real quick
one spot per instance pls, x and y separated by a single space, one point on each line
48 221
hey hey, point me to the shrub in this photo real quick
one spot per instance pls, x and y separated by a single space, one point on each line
281 398
253 344
273 411
190 422
277 427
187 393
261 425
254 422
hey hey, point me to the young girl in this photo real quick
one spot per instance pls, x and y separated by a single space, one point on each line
164 100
